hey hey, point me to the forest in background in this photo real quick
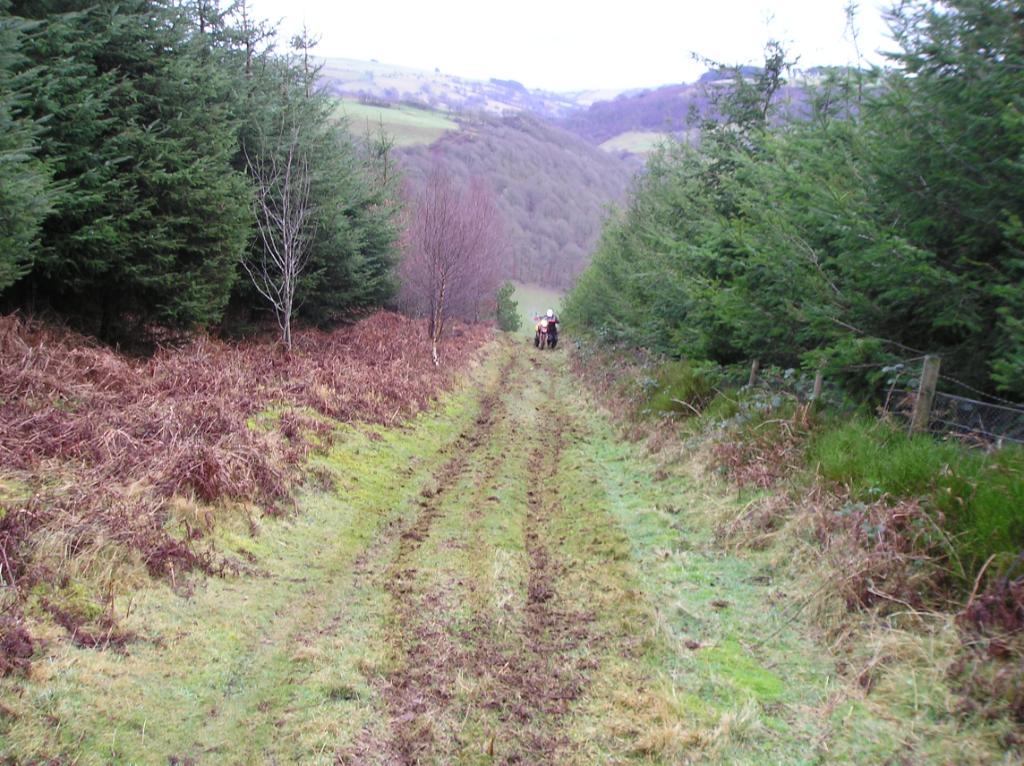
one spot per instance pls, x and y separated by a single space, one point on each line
129 203
885 220
885 223
552 188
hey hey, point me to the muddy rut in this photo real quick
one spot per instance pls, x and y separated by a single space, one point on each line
458 684
419 690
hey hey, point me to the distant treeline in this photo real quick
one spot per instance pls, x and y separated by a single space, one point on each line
553 189
887 222
127 131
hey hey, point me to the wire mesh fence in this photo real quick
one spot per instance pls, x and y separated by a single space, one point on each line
987 422
971 418
974 421
968 419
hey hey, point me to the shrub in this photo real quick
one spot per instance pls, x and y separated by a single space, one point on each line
766 440
507 312
682 387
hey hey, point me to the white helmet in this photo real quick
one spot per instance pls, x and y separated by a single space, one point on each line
551 313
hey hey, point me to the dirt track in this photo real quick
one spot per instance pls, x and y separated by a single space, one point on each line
521 666
500 582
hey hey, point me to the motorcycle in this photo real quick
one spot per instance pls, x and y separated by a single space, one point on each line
546 335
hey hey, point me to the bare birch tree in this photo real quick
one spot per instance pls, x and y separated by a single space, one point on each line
285 219
452 248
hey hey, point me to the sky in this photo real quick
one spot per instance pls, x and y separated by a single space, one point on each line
567 45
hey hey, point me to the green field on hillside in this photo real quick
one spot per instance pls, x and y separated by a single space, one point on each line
634 142
409 126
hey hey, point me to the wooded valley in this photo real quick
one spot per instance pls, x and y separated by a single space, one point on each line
275 487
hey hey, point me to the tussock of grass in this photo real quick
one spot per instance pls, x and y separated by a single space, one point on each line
680 387
722 408
978 495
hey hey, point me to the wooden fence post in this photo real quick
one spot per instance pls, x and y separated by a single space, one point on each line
925 395
819 380
755 368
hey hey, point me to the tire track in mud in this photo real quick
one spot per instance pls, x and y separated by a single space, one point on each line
523 682
419 690
536 675
547 674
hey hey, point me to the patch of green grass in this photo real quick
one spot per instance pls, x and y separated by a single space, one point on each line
12 492
276 665
723 406
409 126
753 680
634 142
980 495
709 691
681 387
734 664
73 599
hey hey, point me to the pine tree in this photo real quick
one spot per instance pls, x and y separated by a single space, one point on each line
888 218
154 217
950 160
141 113
352 191
27 194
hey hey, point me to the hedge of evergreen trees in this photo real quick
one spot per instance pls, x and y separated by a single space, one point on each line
881 220
125 202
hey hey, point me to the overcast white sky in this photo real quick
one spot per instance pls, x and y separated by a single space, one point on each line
580 44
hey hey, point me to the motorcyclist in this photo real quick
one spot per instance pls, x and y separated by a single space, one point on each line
552 318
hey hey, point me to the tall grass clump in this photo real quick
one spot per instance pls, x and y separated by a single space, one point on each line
976 496
682 387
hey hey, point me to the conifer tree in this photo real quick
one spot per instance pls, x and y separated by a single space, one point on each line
886 219
26 192
140 113
153 219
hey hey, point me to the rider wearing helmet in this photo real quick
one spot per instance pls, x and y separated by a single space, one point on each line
552 318
546 326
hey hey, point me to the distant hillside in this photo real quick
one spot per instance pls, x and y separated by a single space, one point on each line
555 161
552 187
623 122
374 81
664 110
635 122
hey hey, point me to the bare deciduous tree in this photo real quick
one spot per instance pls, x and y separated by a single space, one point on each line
452 251
285 219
